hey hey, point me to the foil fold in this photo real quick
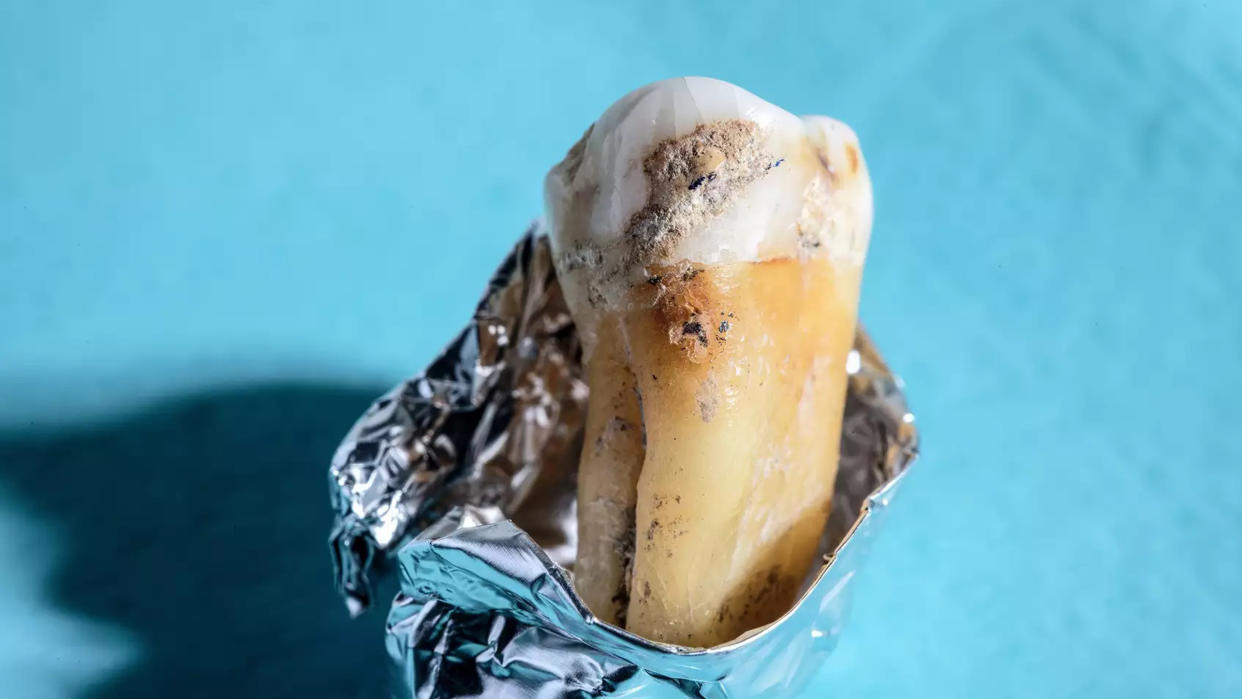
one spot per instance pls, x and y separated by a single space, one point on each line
467 475
498 414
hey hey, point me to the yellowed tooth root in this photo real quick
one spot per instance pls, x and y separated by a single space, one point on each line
741 369
612 454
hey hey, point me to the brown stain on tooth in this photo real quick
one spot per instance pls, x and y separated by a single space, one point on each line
851 153
825 163
707 398
692 179
685 304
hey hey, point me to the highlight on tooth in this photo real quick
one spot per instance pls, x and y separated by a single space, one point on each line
710 246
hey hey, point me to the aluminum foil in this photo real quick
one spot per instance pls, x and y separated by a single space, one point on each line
466 474
492 422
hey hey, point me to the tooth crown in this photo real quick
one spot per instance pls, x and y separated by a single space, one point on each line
697 170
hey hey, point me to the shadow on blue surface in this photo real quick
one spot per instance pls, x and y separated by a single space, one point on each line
199 526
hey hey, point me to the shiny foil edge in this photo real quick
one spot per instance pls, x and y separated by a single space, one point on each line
483 613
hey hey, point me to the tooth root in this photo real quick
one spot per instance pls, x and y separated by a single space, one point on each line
612 455
743 413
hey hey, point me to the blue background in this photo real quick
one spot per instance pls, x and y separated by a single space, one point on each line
225 227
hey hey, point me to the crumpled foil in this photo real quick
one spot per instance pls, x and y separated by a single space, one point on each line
467 474
496 418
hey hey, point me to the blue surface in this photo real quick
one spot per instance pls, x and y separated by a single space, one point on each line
223 229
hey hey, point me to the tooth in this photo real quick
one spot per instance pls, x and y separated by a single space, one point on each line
711 248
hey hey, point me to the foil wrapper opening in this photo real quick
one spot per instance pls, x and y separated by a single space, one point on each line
467 475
